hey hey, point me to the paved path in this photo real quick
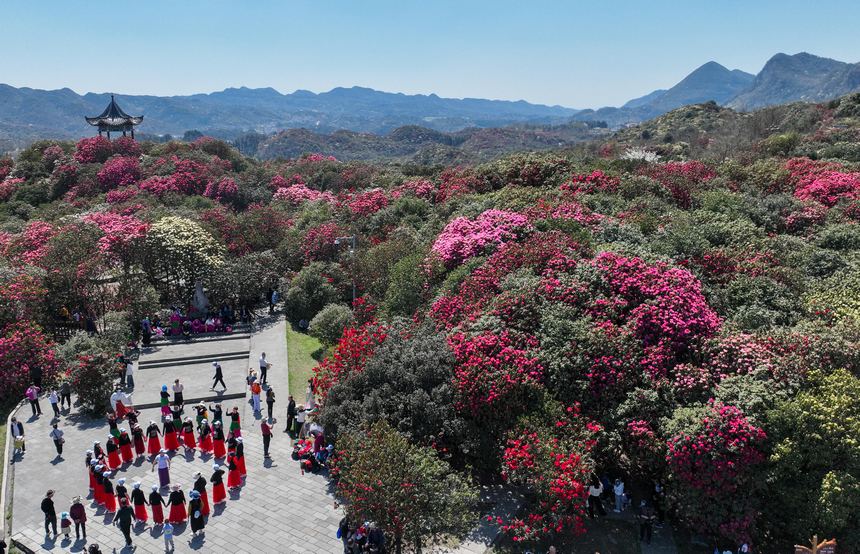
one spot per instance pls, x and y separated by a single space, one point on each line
278 510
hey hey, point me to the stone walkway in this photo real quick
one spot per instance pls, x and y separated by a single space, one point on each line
278 510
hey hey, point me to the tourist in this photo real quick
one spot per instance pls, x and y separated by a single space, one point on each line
169 432
618 489
121 491
195 513
50 513
163 463
235 425
119 402
89 463
188 441
256 390
594 502
219 376
240 456
137 438
646 522
201 414
98 453
200 488
252 376
57 436
138 500
376 539
205 436
165 401
129 375
264 368
167 531
79 517
217 413
123 519
32 395
108 496
66 395
291 413
219 495
54 399
301 414
267 437
65 524
113 453
125 447
18 447
18 432
234 479
343 532
113 426
99 491
156 504
177 393
310 400
218 440
269 296
177 505
270 402
176 416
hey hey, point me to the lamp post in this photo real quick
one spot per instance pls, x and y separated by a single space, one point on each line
351 241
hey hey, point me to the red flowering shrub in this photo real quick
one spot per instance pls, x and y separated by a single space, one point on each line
810 215
596 181
740 354
23 346
712 467
420 188
118 196
121 232
223 190
319 242
828 187
21 296
352 352
31 245
494 372
119 171
365 203
279 182
455 182
93 150
680 178
549 456
52 154
126 146
464 238
297 194
6 165
8 188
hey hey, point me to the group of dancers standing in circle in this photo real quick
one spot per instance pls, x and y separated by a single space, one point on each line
121 448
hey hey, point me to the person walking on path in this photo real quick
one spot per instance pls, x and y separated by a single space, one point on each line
301 413
123 519
256 390
18 431
32 395
125 447
594 502
267 437
219 376
264 368
195 513
65 524
291 413
177 505
168 537
200 488
188 441
240 456
235 424
205 437
157 504
169 432
138 500
129 375
66 395
121 490
177 393
163 463
56 435
270 402
234 479
137 438
108 496
165 401
54 399
618 489
646 522
79 517
310 399
218 449
50 512
219 494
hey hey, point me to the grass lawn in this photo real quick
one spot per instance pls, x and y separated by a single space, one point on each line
303 353
604 535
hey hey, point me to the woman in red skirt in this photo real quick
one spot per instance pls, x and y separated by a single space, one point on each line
240 456
178 514
218 447
138 499
137 438
200 487
113 454
125 447
156 502
169 432
153 444
99 491
234 479
91 463
188 434
219 494
108 497
205 440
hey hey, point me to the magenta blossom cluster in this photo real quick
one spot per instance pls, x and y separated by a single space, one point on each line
464 238
298 194
596 181
223 190
119 171
363 204
420 188
120 231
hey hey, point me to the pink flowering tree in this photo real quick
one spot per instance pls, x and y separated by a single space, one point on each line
366 203
223 190
24 347
119 171
464 238
121 234
93 150
713 457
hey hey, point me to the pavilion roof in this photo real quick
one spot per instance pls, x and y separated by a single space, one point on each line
114 116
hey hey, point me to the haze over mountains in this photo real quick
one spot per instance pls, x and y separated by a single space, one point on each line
28 114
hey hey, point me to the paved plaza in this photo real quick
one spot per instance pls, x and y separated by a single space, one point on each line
278 510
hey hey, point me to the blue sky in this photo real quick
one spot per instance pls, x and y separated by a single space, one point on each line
575 53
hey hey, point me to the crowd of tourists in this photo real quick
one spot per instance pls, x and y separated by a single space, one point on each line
190 321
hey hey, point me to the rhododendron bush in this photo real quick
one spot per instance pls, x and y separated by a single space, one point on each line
349 356
464 238
24 348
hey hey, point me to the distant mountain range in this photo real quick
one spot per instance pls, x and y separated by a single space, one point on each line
27 114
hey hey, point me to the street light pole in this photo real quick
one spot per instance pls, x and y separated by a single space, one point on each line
352 242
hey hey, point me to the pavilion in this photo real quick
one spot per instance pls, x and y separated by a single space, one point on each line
114 119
